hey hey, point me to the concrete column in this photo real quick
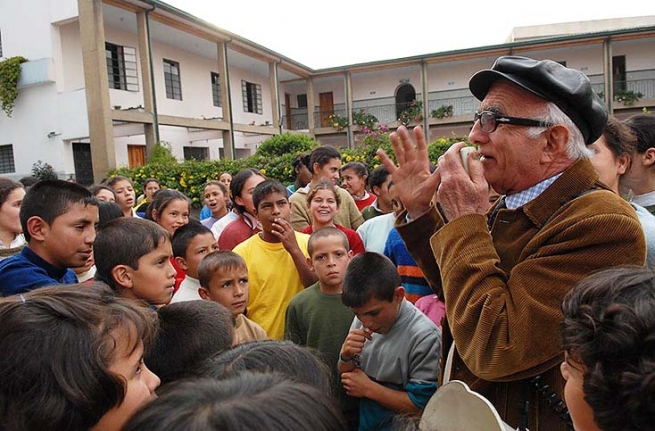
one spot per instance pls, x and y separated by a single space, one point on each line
349 109
226 100
607 74
275 94
426 100
311 123
92 37
145 61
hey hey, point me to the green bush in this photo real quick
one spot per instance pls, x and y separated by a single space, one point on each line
286 143
162 154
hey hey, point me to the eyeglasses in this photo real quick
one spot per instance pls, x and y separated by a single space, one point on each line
490 120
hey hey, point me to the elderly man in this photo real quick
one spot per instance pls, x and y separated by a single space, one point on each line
505 271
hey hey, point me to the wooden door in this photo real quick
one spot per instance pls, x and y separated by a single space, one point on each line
327 108
136 155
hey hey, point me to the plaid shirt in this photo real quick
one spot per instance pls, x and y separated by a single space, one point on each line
521 198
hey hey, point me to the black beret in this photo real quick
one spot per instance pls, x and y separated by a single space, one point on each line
567 88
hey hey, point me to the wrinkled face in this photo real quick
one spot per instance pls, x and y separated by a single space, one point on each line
68 241
9 212
323 206
124 194
581 413
150 189
215 200
173 216
245 199
272 207
609 167
140 384
379 316
154 279
354 184
330 170
512 160
105 196
228 287
329 260
199 247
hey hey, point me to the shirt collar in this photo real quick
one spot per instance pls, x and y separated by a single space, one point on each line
53 271
521 198
647 199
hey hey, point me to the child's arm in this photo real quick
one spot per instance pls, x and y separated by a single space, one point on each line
283 230
358 384
352 346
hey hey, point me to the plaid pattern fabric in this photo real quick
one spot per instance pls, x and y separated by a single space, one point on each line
523 197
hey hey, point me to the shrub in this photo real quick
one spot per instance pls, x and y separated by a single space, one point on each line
162 154
43 171
285 143
9 75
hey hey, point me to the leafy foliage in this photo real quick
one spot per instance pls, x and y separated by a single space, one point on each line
442 112
338 122
162 154
286 143
43 171
362 119
413 113
9 75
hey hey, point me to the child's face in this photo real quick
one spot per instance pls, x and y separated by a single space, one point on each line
105 196
272 207
199 247
323 206
379 316
175 215
9 212
329 260
140 384
150 190
124 194
352 183
396 203
330 170
581 413
226 179
228 287
245 199
215 199
154 280
68 241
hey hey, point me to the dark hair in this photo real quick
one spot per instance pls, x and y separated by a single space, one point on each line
297 363
28 181
378 177
248 401
236 186
369 276
123 241
302 159
49 199
323 233
58 344
185 234
6 187
266 188
113 180
189 333
148 181
162 199
609 328
643 126
619 138
323 184
108 211
95 190
221 260
322 156
218 184
358 167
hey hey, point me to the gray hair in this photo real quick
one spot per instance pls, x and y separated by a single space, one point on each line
575 147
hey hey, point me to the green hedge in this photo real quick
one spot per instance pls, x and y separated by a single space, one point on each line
274 158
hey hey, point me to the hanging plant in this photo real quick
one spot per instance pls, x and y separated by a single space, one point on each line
9 75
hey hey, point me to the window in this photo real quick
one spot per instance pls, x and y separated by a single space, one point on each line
302 100
172 80
121 67
7 159
252 97
197 153
216 89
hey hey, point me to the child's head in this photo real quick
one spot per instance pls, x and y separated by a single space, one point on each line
223 278
72 359
378 183
372 289
247 401
241 188
150 187
270 201
191 243
225 178
323 201
124 191
170 209
189 333
325 162
639 176
108 211
302 170
216 196
59 220
103 193
133 256
297 363
353 178
11 198
329 254
608 334
396 204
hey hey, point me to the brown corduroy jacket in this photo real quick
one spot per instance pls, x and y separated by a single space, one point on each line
503 288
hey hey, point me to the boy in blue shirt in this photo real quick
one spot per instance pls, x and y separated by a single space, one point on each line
390 358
